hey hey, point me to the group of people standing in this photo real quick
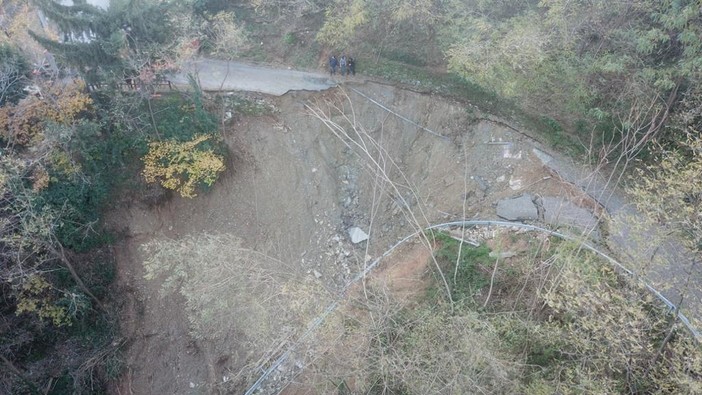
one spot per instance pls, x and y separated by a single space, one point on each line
347 65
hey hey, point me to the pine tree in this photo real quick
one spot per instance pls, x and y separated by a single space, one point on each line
107 45
14 74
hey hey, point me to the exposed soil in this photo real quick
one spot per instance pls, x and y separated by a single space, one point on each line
291 192
401 281
403 276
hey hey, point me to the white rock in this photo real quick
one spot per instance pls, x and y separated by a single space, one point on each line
502 255
357 235
515 183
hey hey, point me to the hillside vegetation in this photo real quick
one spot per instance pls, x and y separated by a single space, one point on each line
618 84
555 319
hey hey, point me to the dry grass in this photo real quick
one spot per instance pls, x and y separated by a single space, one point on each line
235 298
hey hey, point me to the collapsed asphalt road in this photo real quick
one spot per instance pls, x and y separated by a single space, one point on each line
221 75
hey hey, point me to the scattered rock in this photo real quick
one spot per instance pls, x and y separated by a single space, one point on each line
357 235
508 154
559 211
502 255
515 184
543 157
347 202
458 235
316 274
517 209
482 183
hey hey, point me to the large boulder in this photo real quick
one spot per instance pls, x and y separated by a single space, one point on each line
520 208
559 211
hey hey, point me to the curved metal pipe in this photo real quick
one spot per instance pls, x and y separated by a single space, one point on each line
463 223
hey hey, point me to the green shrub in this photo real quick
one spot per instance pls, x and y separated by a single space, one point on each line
289 39
472 265
405 57
181 118
543 355
80 202
552 130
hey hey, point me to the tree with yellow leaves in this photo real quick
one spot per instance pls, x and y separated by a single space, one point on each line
34 296
227 37
59 104
669 191
343 19
182 166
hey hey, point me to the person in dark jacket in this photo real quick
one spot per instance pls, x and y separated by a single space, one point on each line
333 63
351 65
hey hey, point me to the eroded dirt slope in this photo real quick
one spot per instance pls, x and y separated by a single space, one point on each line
292 191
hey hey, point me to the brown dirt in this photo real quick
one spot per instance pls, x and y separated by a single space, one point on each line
291 192
403 276
405 272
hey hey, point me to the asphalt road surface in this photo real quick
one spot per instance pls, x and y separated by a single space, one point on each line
221 75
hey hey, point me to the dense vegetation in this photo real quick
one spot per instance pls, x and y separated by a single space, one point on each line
553 319
14 74
620 79
71 149
604 71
